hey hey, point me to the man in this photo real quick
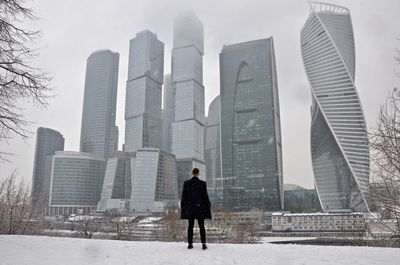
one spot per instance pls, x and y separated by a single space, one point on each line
195 205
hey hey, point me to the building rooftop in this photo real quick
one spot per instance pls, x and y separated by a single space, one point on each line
320 7
75 154
102 51
240 45
316 214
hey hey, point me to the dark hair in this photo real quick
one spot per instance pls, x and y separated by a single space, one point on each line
195 171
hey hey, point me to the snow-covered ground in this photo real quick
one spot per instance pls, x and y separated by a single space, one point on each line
278 239
28 250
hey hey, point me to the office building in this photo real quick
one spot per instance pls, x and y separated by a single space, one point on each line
301 200
99 135
168 114
187 82
117 186
339 140
212 154
154 182
48 141
143 126
76 182
251 147
333 222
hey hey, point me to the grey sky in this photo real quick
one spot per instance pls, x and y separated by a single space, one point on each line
73 29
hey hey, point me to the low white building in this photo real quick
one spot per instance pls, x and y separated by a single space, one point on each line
318 222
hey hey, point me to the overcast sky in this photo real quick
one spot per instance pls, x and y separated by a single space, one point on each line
73 29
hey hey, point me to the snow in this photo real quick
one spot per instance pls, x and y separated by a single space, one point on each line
35 250
149 220
278 239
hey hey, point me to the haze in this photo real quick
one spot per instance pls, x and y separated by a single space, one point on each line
72 30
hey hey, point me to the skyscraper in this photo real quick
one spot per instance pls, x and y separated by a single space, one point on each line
48 141
143 126
77 177
99 135
250 127
142 178
168 114
339 143
187 82
212 154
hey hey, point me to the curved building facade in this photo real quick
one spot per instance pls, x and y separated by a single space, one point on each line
76 182
48 141
251 150
212 154
99 135
339 143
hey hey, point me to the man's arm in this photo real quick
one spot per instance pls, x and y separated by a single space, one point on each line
206 199
184 196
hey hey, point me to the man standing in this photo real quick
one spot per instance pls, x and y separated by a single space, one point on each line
195 205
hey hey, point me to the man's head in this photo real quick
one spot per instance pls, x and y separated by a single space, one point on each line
195 172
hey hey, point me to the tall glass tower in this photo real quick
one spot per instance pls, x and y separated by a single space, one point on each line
212 153
99 135
143 126
187 82
250 127
339 143
48 141
168 114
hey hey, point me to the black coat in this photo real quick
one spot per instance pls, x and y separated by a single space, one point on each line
194 202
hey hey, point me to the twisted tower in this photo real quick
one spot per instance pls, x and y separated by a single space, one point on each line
339 143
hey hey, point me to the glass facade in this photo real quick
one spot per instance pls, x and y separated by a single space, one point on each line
339 143
48 141
117 181
187 84
76 182
168 114
143 125
302 201
250 127
154 186
99 135
212 154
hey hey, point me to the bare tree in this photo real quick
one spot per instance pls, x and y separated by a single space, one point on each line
119 223
385 170
221 225
19 214
19 80
88 225
245 233
171 228
226 227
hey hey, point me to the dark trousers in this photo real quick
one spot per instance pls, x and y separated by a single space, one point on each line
200 222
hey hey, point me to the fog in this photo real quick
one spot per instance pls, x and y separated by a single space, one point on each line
72 30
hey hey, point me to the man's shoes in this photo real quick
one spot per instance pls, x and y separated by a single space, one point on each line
204 247
190 246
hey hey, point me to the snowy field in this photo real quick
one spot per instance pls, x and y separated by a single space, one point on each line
27 250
